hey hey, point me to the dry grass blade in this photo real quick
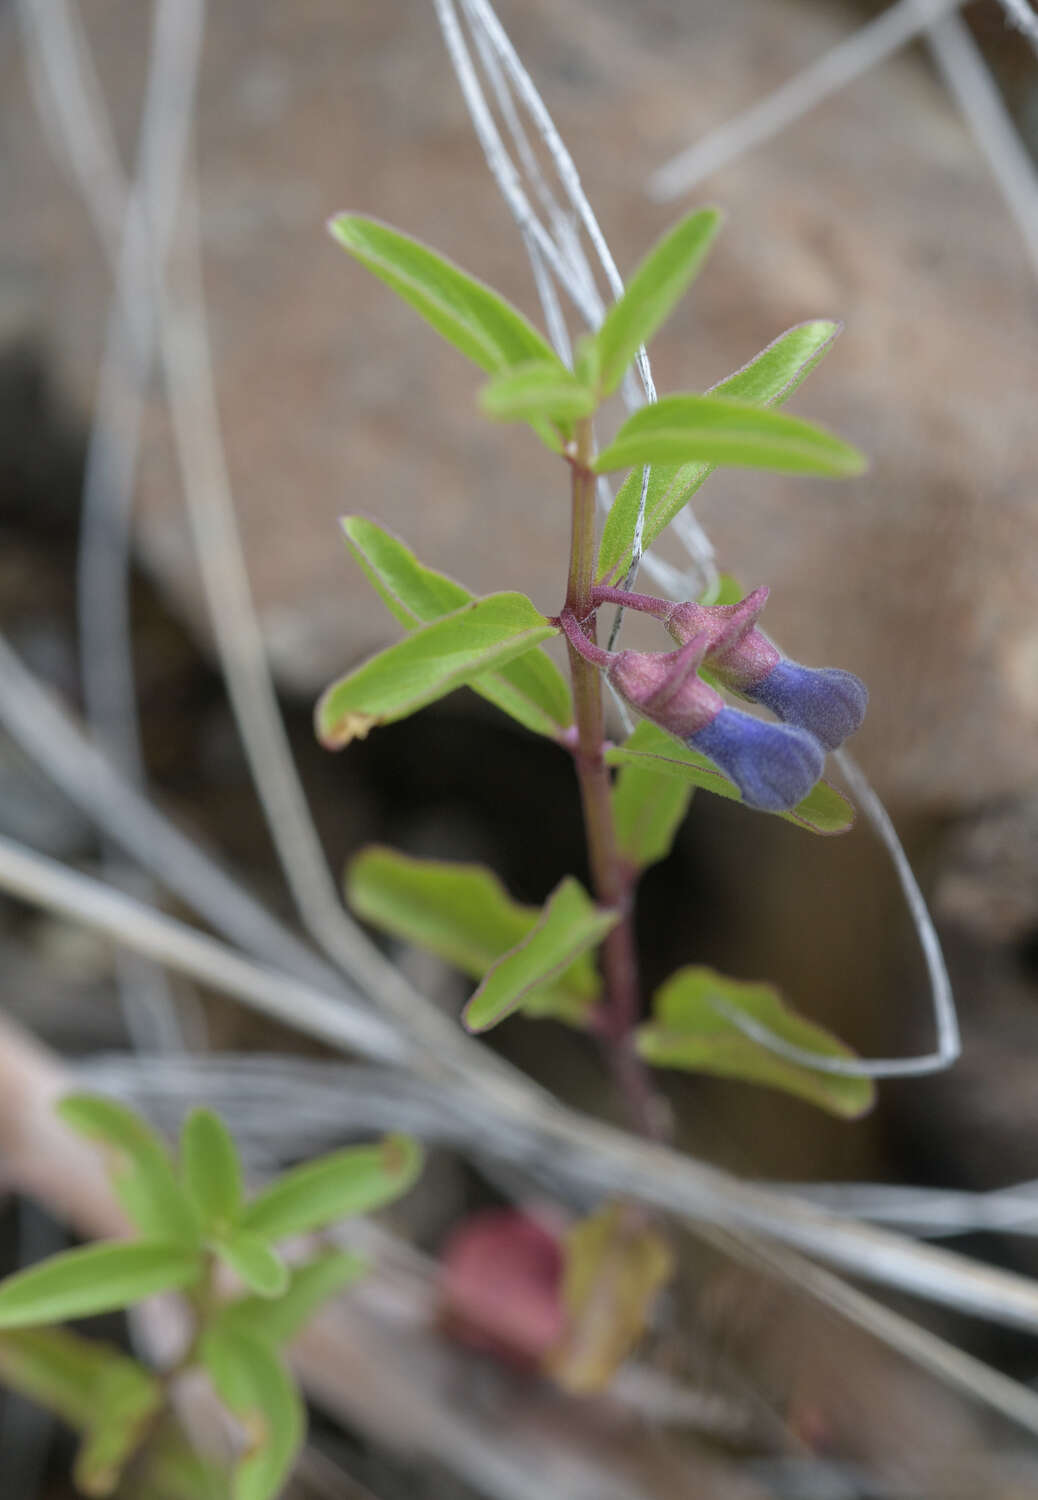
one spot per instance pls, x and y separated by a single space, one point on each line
522 1126
105 650
863 49
1020 14
184 350
970 83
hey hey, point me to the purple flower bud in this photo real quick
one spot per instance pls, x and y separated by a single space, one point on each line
825 700
773 765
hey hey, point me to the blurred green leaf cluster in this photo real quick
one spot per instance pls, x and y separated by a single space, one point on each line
192 1218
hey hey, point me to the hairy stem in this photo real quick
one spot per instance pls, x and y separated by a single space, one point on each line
611 878
646 603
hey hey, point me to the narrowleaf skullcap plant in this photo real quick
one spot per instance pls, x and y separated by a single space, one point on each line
591 1289
573 959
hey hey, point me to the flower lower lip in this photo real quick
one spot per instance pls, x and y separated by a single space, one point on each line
773 765
826 701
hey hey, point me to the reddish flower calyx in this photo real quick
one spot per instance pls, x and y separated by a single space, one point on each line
738 653
665 687
827 702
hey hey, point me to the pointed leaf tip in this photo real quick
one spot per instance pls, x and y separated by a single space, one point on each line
652 293
211 1168
139 1166
769 379
569 925
464 311
356 1180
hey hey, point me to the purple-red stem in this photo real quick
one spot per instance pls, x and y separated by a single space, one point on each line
580 643
610 876
645 603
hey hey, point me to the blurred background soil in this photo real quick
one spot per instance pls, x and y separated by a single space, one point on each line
878 209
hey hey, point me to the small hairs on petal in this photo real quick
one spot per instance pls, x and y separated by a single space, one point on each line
773 765
826 701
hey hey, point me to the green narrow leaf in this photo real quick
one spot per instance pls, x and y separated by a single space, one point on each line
823 810
569 925
280 1319
139 1167
428 664
782 366
690 1032
648 807
463 310
212 1169
357 1180
530 687
93 1387
127 1399
720 430
95 1279
768 380
252 1382
254 1262
652 292
463 913
538 392
413 593
59 1369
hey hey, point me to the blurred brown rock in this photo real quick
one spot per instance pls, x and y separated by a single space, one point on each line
987 883
876 208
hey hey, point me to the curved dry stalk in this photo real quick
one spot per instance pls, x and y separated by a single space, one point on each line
149 1009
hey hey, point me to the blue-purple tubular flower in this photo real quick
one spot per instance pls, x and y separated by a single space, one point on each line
773 765
826 701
